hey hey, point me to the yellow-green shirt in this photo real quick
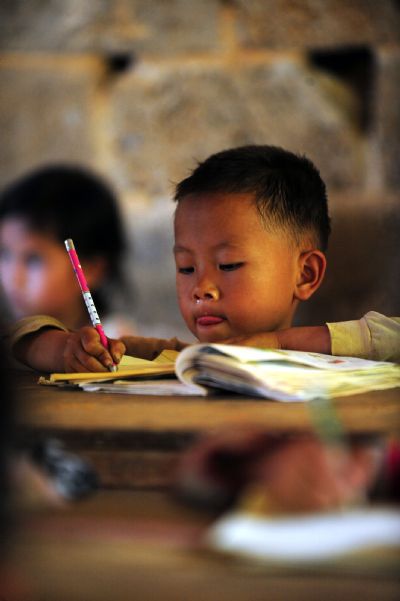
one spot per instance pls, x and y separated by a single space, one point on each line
374 336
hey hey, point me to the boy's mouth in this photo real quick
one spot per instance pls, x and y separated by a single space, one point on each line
209 320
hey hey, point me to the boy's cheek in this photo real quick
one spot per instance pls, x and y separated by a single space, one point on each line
184 299
186 312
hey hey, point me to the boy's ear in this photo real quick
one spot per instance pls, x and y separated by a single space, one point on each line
312 266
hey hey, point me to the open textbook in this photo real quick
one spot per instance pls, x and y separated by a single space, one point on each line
280 375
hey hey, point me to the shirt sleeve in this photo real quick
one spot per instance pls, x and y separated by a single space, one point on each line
29 325
374 336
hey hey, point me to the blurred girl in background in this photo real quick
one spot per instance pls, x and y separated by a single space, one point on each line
37 213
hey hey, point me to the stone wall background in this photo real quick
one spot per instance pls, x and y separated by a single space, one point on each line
141 89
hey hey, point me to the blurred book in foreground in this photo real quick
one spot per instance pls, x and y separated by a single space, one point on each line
310 538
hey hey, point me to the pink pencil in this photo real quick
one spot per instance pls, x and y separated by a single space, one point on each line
94 316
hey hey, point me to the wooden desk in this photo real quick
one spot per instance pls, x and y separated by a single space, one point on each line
134 440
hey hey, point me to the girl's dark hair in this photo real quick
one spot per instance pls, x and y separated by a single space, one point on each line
288 189
67 201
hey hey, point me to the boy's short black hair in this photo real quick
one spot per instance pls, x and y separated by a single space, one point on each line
288 189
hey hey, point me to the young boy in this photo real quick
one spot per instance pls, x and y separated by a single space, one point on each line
251 228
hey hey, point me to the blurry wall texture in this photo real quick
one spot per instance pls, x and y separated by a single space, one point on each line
141 89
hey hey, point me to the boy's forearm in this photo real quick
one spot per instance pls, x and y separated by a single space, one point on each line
312 339
42 350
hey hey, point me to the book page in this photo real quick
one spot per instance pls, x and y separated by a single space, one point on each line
282 375
163 387
247 354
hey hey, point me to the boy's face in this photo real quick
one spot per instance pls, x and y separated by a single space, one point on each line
233 276
36 274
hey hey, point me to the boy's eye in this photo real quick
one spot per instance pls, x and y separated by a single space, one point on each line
230 266
185 270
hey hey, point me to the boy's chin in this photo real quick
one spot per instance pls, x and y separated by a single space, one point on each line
212 337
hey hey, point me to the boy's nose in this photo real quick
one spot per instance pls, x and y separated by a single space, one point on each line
205 291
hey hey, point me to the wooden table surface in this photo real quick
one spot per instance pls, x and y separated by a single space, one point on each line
51 408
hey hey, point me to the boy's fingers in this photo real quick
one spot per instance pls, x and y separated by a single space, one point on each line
110 357
89 365
80 361
117 349
91 344
84 352
104 359
90 341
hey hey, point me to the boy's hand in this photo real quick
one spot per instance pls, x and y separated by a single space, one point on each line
54 350
83 351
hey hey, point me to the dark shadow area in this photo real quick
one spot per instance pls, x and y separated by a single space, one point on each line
355 66
119 62
363 268
7 442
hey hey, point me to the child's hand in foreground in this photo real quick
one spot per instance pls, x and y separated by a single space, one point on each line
275 472
305 475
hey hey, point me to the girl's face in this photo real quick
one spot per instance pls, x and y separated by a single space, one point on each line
36 274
